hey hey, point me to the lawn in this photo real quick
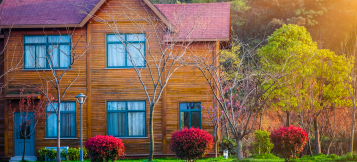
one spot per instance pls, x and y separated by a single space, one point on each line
174 160
261 158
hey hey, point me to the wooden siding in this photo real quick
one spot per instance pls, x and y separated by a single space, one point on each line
2 102
19 78
101 84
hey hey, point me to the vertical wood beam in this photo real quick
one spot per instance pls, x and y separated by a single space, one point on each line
6 133
89 74
163 113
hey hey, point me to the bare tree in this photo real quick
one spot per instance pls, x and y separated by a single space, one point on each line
50 71
245 89
32 112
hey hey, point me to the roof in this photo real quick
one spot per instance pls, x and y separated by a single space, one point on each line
199 21
45 12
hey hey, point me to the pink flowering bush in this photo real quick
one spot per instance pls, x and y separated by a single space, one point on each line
104 148
191 144
289 141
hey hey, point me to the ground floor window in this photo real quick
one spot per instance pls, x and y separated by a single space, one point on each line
126 118
68 120
190 115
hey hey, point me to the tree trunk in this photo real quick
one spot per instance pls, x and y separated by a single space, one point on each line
353 125
309 148
239 148
328 147
260 122
59 128
227 132
317 136
151 127
23 154
215 149
287 118
215 143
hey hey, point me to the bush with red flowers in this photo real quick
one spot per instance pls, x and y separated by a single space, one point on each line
104 148
191 144
289 141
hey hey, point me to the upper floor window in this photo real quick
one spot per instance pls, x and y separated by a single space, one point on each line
125 49
126 119
190 115
68 120
47 52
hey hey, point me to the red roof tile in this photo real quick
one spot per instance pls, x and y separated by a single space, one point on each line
198 20
44 12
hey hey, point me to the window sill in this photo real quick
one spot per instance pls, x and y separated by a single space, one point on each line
131 137
126 68
61 138
44 69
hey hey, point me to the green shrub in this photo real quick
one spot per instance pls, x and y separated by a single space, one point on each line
52 154
332 156
262 144
229 144
73 153
349 157
43 152
263 156
64 154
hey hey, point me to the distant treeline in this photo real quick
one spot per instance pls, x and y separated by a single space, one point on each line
330 22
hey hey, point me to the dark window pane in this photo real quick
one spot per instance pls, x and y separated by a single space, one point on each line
116 124
68 124
192 106
185 120
195 119
24 131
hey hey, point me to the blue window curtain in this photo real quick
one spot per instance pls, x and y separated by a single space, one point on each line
68 120
126 119
46 52
125 49
190 115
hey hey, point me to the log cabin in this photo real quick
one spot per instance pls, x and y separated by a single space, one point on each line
116 102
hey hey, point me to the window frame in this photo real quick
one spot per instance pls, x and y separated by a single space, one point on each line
126 52
47 44
190 111
63 112
126 111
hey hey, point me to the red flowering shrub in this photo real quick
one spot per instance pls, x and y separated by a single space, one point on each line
191 144
104 148
289 141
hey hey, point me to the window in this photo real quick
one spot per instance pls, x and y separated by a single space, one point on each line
126 119
44 52
190 115
119 57
68 120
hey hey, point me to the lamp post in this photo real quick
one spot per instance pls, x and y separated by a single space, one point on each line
81 98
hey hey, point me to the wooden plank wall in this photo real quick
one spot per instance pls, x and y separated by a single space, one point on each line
2 101
122 84
19 78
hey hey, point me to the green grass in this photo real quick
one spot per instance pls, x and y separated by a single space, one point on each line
220 159
261 158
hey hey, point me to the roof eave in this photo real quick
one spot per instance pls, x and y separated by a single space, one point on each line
92 12
199 40
160 15
41 26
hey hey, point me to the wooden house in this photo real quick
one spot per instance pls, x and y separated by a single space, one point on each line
116 102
